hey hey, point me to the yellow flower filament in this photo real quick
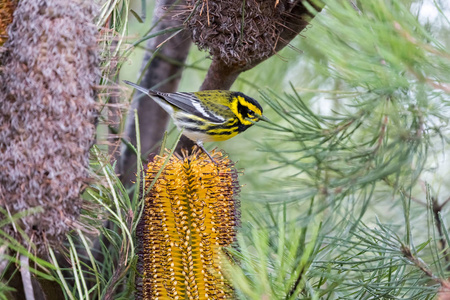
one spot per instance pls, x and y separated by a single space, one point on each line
190 213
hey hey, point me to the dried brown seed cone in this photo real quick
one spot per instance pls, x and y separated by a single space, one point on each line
47 116
190 213
240 32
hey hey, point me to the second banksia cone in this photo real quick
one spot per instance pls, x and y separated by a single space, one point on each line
234 31
190 213
241 32
47 117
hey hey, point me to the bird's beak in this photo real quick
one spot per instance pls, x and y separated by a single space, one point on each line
264 118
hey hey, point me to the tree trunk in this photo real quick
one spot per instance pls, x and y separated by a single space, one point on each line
152 118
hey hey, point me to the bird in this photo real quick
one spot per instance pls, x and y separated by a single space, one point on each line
210 115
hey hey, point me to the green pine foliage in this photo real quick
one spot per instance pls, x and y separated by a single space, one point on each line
362 147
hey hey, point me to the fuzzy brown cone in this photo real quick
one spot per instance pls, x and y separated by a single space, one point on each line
47 117
241 34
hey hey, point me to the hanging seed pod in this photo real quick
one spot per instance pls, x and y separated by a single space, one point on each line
47 117
190 213
235 31
241 32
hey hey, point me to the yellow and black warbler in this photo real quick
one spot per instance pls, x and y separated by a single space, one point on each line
208 116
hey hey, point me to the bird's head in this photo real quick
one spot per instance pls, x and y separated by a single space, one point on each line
247 109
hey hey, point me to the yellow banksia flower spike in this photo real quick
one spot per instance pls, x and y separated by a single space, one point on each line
7 8
190 213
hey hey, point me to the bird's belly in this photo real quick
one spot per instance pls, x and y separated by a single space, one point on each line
204 137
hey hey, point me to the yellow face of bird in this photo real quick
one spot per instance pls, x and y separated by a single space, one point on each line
246 109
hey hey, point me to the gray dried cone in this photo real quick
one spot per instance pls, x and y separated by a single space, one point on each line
241 33
47 115
235 31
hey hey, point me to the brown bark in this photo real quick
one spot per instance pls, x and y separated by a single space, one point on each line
153 119
220 76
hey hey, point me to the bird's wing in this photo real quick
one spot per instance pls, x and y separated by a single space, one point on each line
189 103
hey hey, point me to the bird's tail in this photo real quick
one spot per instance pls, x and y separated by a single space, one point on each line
156 96
140 88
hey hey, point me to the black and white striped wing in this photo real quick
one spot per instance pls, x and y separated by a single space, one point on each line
189 103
